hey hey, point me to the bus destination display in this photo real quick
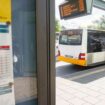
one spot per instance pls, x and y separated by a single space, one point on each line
73 8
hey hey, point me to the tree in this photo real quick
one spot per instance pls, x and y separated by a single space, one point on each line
63 28
57 26
99 24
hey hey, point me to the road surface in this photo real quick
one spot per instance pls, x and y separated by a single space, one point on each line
78 73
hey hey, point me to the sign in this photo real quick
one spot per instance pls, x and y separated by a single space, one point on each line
6 66
75 8
99 4
5 10
72 32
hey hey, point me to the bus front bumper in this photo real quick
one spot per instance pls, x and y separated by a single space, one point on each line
72 61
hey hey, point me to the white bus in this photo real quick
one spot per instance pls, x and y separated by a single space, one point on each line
84 47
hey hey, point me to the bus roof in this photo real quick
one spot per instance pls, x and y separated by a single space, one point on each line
79 31
96 30
83 29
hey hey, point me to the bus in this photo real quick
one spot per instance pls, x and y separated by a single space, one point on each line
56 43
83 47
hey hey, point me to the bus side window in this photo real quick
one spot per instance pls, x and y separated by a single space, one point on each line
91 45
94 44
102 38
98 46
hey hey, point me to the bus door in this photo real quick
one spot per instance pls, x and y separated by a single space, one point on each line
96 46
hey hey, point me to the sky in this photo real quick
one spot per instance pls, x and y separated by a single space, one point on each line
83 21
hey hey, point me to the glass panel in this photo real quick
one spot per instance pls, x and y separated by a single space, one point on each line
71 37
74 40
89 4
96 41
63 40
24 51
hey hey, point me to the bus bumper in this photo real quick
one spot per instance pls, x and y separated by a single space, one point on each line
72 61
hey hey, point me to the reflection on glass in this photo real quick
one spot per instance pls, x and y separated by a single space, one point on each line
71 37
96 41
24 51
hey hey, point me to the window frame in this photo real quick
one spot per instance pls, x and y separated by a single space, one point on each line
45 30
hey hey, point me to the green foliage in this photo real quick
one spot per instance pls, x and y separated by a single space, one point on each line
98 24
57 26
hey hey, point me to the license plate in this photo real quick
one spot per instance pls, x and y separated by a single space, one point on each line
69 56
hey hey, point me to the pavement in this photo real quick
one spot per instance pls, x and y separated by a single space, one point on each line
80 86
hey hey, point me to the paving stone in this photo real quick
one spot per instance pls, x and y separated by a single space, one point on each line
67 96
101 97
94 88
77 101
81 95
62 102
102 91
87 103
71 91
59 91
89 92
91 100
75 93
101 103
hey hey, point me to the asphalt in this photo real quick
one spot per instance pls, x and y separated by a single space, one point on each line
66 70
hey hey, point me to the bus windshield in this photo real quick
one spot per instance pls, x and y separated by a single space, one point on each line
71 38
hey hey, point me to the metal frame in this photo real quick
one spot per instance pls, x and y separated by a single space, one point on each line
45 23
